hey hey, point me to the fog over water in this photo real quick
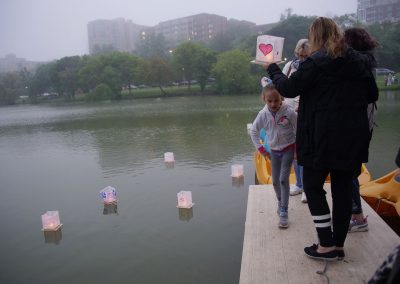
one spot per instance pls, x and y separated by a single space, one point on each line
44 30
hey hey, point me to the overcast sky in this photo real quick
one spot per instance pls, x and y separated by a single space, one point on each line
41 30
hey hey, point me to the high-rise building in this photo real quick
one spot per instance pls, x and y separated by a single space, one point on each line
118 34
200 28
377 11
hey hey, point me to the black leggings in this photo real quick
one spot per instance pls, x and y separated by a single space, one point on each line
329 233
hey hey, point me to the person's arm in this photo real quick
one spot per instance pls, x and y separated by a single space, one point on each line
298 82
255 134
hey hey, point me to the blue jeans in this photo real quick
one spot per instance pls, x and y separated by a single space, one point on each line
281 162
298 170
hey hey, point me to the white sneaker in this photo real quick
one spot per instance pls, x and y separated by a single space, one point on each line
295 190
303 197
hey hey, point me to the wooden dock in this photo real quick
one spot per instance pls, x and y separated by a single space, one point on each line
274 255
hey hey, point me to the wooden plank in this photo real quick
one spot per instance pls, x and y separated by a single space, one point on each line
274 255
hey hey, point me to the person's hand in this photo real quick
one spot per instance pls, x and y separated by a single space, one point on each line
264 152
397 172
266 65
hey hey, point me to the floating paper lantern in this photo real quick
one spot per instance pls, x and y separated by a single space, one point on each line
269 49
236 171
169 157
51 221
109 195
185 199
249 127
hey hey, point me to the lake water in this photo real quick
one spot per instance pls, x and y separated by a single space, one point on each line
60 157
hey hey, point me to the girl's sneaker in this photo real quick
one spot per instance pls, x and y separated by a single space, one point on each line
295 190
283 219
356 226
303 197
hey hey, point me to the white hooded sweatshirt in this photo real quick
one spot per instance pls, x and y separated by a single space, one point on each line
280 130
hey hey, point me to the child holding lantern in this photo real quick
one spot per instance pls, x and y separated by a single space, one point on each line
279 122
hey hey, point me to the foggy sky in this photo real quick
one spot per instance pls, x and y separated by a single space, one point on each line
41 30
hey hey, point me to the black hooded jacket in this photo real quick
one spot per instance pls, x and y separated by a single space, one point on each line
332 125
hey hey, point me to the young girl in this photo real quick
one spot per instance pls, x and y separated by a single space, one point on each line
279 122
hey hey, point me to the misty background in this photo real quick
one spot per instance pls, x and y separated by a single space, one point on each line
44 30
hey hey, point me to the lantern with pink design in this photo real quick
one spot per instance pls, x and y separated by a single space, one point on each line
236 171
51 221
108 195
169 157
185 199
269 49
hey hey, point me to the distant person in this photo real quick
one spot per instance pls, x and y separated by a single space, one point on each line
301 52
360 40
279 122
333 133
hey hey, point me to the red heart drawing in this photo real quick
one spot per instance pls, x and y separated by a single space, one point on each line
265 48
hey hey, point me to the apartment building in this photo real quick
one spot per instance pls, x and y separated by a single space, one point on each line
199 28
118 34
377 11
12 63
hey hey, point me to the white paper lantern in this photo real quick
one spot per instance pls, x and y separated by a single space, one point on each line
249 127
169 157
185 199
236 171
51 221
108 195
269 49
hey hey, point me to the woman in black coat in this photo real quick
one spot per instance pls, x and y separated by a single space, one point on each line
335 86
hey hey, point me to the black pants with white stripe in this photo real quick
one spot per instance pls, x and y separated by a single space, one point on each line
329 233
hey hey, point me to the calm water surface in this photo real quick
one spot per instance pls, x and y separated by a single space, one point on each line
60 157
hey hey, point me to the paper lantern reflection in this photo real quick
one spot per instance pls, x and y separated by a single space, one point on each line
51 221
110 208
52 237
237 170
185 199
108 195
238 181
169 157
185 214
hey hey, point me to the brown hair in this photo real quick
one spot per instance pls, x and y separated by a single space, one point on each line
360 39
325 33
269 88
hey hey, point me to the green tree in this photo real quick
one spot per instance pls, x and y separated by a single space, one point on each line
159 73
232 72
193 61
388 36
101 92
204 60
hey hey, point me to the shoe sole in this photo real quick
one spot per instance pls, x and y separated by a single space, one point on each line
322 258
358 230
295 193
283 226
304 201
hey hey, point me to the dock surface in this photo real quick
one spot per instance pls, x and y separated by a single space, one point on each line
274 255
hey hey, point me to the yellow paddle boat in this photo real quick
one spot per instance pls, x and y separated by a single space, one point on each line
264 173
383 194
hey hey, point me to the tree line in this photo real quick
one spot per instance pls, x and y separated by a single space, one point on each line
226 59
